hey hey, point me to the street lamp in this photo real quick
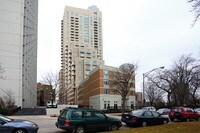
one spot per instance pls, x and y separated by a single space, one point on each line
144 75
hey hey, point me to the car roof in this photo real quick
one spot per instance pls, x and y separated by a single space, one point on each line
80 109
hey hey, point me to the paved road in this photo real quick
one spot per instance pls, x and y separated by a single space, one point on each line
47 124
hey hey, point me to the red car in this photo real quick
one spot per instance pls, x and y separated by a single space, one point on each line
183 114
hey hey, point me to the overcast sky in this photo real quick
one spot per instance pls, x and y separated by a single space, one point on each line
150 32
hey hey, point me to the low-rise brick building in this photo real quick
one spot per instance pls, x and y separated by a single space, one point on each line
44 93
99 92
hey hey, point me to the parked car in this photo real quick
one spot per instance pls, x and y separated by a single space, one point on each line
8 125
143 118
81 120
151 108
51 104
164 111
183 114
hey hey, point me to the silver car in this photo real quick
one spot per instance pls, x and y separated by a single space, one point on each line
8 125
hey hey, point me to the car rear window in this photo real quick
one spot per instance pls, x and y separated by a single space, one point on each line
64 113
137 112
177 110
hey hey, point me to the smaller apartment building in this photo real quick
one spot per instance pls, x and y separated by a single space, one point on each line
98 91
44 93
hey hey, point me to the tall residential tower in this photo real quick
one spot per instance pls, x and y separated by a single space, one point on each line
81 48
18 50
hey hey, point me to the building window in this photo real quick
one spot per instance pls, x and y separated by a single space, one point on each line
115 104
106 82
105 73
104 104
108 107
106 91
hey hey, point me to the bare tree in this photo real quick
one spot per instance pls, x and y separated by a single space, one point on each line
2 71
2 105
125 80
181 82
153 94
196 9
9 101
53 80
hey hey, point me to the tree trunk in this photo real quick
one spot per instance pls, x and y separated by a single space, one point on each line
123 105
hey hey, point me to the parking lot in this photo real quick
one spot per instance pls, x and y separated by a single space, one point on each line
47 123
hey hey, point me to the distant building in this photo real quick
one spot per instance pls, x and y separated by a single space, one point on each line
18 50
99 92
139 99
44 93
81 49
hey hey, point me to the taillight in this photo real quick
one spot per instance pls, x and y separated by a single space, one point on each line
67 122
134 118
171 113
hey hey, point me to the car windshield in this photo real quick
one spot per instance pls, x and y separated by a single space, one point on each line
161 110
197 109
5 118
177 110
137 112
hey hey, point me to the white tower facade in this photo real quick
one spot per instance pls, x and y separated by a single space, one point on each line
18 50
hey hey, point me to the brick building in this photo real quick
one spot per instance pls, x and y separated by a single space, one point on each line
99 92
44 93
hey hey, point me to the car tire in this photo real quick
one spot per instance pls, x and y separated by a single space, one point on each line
79 129
114 127
171 119
19 131
144 124
128 124
164 122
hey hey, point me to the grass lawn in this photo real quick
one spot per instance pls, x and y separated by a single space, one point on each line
176 127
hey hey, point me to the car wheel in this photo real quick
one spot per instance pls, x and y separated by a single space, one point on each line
79 129
20 131
144 123
114 127
128 124
164 122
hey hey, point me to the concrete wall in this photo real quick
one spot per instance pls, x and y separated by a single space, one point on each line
57 111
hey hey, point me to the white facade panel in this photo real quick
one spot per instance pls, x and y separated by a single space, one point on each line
18 60
99 101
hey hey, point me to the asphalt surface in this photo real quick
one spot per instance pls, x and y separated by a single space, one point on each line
47 123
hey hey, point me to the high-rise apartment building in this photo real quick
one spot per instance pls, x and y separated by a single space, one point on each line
81 48
18 50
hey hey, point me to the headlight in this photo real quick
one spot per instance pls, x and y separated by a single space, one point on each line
34 125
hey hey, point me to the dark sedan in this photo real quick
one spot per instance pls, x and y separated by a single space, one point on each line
8 125
143 118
